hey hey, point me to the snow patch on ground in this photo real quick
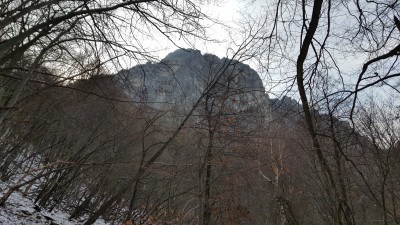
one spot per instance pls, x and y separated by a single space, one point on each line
20 210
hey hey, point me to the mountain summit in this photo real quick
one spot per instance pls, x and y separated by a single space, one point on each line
185 74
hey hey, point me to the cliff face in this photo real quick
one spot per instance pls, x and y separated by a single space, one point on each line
184 75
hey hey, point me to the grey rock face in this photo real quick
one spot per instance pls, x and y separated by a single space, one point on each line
185 74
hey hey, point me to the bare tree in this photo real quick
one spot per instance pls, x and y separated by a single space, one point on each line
310 39
57 33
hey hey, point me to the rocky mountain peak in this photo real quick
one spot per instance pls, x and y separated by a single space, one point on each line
183 76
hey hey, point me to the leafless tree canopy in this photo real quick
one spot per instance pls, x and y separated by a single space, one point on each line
79 134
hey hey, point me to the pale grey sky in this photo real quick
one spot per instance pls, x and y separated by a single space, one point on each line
228 13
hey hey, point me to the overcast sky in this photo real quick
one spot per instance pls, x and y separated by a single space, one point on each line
226 12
